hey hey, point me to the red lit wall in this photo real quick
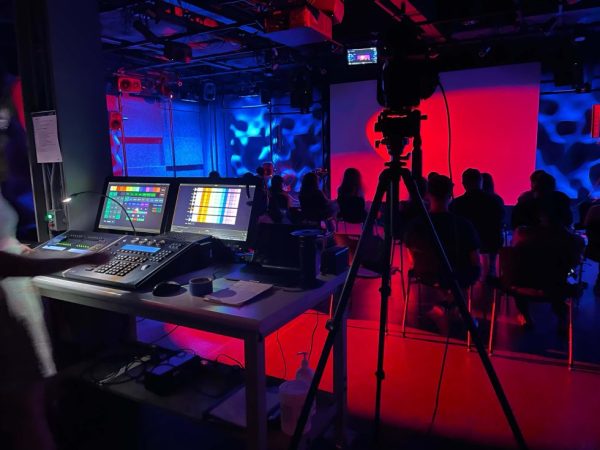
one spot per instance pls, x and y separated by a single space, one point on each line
494 119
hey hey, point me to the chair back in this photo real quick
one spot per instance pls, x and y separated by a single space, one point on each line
352 209
532 267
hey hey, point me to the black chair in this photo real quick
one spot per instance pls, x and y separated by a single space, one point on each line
534 275
351 210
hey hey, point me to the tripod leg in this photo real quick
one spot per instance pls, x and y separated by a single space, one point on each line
333 325
460 302
386 277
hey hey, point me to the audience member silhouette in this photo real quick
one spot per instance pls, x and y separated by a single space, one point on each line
351 197
410 209
549 236
591 224
313 202
487 183
485 211
543 191
279 201
533 180
277 195
214 175
458 236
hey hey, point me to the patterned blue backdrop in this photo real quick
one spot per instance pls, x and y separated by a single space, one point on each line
255 134
233 136
565 147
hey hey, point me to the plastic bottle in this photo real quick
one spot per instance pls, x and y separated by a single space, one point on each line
291 397
305 373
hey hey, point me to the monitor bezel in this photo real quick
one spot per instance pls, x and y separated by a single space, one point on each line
256 182
169 205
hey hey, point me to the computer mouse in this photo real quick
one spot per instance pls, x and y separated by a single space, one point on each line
166 288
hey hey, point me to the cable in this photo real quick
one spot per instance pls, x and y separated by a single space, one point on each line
164 335
229 357
439 385
449 129
282 355
312 337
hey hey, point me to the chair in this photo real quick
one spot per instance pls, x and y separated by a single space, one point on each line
413 278
351 210
533 274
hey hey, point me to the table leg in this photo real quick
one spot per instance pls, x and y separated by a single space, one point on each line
340 381
256 392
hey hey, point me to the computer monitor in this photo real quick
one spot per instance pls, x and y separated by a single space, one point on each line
145 203
221 210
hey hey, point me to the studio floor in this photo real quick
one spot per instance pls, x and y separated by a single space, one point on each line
557 408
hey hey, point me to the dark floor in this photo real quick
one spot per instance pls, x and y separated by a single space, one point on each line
557 408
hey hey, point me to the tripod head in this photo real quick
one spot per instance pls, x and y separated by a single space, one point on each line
397 126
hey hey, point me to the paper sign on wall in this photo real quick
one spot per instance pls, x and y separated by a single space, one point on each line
45 131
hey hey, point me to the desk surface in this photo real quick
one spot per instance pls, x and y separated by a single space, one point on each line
263 315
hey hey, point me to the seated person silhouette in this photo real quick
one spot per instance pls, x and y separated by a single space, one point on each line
351 197
591 224
554 247
485 211
279 203
277 195
543 189
458 236
315 206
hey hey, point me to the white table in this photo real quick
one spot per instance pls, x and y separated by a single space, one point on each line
251 322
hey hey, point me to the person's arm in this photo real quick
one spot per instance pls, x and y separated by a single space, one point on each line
12 265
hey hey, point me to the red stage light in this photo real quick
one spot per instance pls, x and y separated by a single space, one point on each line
596 121
115 121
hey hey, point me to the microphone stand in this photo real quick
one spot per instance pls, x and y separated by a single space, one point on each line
77 194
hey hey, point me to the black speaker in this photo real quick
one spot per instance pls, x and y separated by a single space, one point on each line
334 260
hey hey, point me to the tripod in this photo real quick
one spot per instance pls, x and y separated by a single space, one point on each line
396 129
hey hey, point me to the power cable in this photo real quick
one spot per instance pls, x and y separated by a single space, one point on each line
449 129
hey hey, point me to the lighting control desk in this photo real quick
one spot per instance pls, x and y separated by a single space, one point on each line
251 323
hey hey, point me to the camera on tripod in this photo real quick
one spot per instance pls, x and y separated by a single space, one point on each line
407 72
407 75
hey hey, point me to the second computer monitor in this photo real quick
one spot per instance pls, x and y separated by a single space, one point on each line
220 210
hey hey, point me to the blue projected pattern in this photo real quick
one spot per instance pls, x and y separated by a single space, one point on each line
292 141
565 147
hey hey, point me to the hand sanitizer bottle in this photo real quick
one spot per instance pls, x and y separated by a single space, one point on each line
304 373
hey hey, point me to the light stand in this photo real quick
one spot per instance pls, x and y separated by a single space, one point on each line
77 194
396 129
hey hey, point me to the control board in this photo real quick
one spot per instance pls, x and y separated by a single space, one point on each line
137 261
74 242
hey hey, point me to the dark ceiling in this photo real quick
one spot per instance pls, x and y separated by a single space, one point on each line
238 54
231 47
